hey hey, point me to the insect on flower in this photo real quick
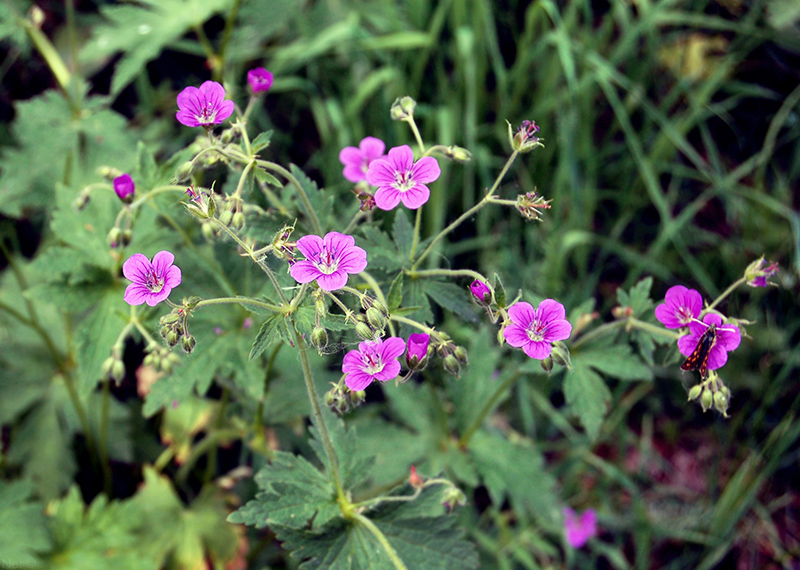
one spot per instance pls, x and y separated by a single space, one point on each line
711 344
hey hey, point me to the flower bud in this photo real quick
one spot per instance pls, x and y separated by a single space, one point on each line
414 479
108 365
759 271
560 354
188 343
127 236
721 403
238 221
451 365
403 108
364 331
320 307
453 498
375 318
417 352
171 337
547 364
117 371
164 365
501 339
706 399
695 392
83 199
481 292
461 355
114 237
458 154
319 338
184 172
226 217
208 230
358 397
124 188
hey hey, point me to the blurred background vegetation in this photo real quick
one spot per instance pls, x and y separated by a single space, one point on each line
671 150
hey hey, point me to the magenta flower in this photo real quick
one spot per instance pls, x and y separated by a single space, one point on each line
579 529
124 187
726 339
680 307
481 292
259 79
357 160
374 360
203 107
328 260
417 349
536 329
399 178
151 282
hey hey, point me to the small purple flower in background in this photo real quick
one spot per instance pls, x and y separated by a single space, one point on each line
357 160
203 106
399 178
417 349
726 339
579 528
535 330
481 292
259 79
680 307
757 274
151 282
124 187
374 360
328 260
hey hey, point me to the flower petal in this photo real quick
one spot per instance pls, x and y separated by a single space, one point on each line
334 241
350 155
310 246
401 158
390 371
136 267
136 294
357 381
381 173
558 330
392 347
386 197
516 335
551 310
333 281
415 197
304 271
521 313
426 170
538 349
371 147
717 357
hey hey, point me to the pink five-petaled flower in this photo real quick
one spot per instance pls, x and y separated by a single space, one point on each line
536 329
124 187
259 79
726 339
680 306
399 178
203 106
374 360
151 282
357 160
328 260
481 292
579 528
417 349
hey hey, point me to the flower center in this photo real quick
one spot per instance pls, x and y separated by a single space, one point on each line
327 261
207 114
403 180
685 315
536 330
154 282
372 363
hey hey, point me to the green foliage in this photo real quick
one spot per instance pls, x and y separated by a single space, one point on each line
23 536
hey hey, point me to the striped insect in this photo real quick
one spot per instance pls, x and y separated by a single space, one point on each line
699 357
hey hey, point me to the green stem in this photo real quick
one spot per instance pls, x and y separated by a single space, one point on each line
488 407
206 444
316 410
351 226
376 532
628 324
315 224
102 443
154 192
446 273
239 301
230 22
413 124
415 242
373 284
724 294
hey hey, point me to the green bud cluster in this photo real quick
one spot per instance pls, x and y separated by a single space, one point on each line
712 392
403 109
453 356
160 358
341 399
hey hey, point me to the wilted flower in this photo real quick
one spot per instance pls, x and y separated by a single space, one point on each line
579 528
151 282
328 260
534 330
481 292
757 274
725 339
524 140
374 360
259 79
399 178
680 307
204 106
357 160
124 187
